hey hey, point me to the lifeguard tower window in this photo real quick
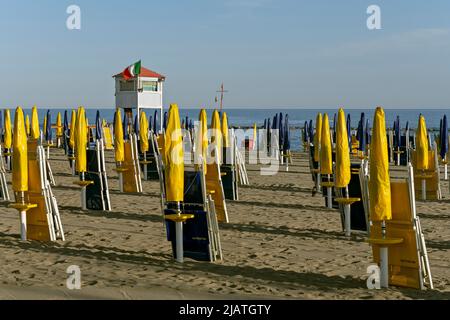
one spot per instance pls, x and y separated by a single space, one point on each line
127 85
150 86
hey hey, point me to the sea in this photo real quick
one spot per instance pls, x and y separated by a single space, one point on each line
247 117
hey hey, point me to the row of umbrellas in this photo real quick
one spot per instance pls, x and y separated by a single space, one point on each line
279 122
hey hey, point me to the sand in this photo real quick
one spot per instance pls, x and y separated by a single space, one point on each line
280 243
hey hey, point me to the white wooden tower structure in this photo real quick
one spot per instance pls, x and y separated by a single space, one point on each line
145 91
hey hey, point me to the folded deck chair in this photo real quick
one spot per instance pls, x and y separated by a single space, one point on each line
43 221
358 212
229 175
132 175
108 137
214 187
408 261
432 175
201 238
4 193
97 194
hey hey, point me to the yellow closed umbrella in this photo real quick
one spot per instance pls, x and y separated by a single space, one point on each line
73 121
8 130
20 171
379 184
422 145
35 131
20 154
255 135
226 140
143 132
174 157
80 141
27 125
44 127
326 161
59 128
217 134
317 137
343 175
202 140
118 138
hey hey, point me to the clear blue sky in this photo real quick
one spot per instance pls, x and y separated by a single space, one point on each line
269 53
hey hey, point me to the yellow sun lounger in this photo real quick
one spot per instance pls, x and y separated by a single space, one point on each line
408 259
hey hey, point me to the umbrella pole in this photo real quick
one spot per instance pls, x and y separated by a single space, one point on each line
23 219
384 265
145 166
424 189
73 167
347 215
48 150
179 235
83 194
445 172
120 179
398 156
329 194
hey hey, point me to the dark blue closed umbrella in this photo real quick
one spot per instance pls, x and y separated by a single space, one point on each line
349 131
165 121
362 134
334 123
311 130
281 131
65 124
125 126
155 122
48 130
444 137
398 136
136 125
305 133
275 122
287 135
98 126
367 132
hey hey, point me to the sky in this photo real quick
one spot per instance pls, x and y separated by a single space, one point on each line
268 53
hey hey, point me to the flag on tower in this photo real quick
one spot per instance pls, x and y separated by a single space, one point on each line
132 71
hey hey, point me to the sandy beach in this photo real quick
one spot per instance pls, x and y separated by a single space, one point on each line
280 243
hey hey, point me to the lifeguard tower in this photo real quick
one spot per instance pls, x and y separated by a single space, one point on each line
145 91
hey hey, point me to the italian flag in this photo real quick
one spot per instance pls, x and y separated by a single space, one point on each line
132 71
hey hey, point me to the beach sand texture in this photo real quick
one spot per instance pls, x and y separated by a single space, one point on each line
281 243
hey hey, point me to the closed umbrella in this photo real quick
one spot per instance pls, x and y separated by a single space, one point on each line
216 137
73 121
326 162
317 137
201 144
349 132
27 125
380 185
119 149
165 121
59 127
444 145
398 138
422 153
98 126
8 130
226 140
155 123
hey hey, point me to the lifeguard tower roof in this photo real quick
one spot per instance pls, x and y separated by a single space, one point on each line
145 73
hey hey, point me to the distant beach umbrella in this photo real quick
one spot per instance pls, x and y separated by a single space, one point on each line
150 123
59 127
81 141
7 142
265 123
334 122
343 175
191 125
165 120
422 144
440 132
367 132
326 162
48 129
136 125
275 122
379 183
305 133
398 135
225 130
287 135
98 126
65 123
349 131
118 138
317 137
281 131
183 124
27 125
125 126
73 121
362 133
186 123
155 122
444 138
311 131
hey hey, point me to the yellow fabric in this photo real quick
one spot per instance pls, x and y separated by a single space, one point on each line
80 141
44 127
317 137
73 121
255 134
202 139
379 183
216 136
173 153
20 154
343 174
326 161
59 128
143 132
226 141
27 125
422 145
8 130
118 138
35 131
108 138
